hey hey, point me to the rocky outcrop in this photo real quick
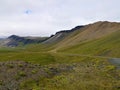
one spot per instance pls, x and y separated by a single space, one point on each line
72 30
61 35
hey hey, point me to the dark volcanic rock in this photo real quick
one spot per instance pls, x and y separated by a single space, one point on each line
61 35
72 30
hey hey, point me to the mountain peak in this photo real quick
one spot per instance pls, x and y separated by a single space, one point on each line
13 36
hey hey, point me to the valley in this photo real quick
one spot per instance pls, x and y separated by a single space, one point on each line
83 58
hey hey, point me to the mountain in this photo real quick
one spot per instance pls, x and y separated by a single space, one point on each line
86 33
15 40
67 39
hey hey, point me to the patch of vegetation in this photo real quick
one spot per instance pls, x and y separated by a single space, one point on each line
1 82
10 65
34 71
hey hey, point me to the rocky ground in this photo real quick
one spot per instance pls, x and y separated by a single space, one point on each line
21 75
12 73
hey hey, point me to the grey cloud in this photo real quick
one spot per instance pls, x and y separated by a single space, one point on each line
49 16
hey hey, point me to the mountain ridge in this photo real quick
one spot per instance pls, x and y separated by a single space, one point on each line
66 38
89 32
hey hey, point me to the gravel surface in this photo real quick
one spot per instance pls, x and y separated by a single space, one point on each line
115 61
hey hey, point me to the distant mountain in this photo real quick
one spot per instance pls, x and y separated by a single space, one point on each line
1 38
14 40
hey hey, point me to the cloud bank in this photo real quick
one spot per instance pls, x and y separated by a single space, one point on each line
45 17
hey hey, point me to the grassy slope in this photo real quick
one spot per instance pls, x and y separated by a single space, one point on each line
88 33
106 46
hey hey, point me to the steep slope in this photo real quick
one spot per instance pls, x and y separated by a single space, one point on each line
87 33
106 46
59 36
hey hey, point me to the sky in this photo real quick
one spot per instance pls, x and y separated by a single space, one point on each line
46 17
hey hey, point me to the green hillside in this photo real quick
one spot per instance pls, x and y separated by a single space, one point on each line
106 46
88 33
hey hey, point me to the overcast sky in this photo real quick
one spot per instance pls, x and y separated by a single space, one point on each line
45 17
